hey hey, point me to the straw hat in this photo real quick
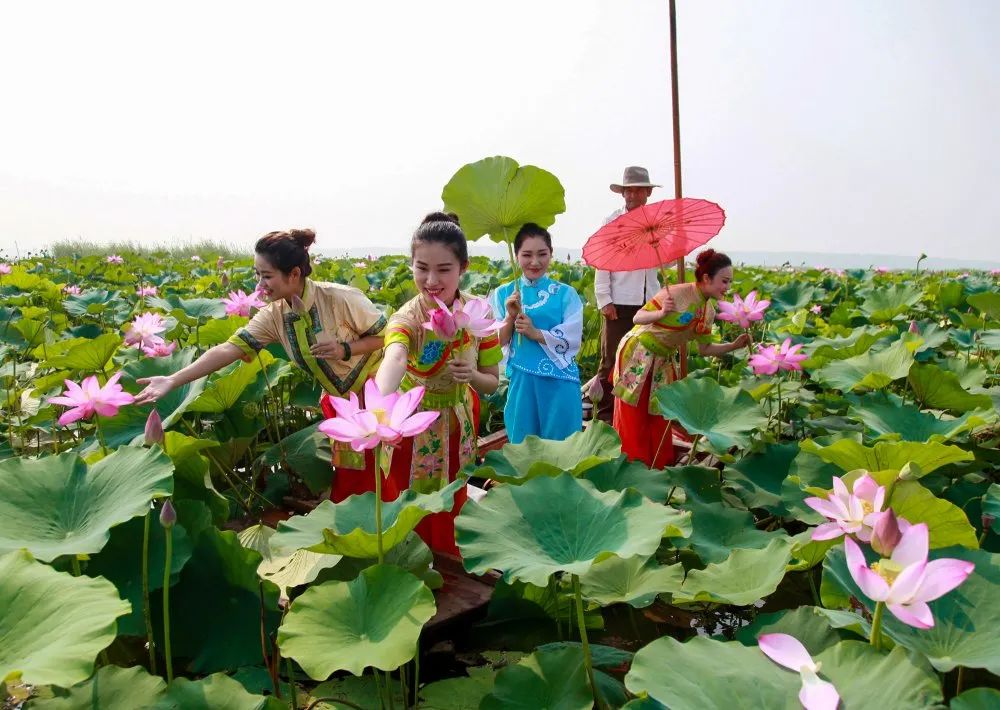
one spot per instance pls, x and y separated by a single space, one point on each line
634 177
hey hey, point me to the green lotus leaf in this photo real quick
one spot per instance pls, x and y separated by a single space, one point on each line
965 619
286 570
57 505
807 624
971 375
990 339
635 581
111 688
700 483
889 417
524 615
307 453
195 309
744 577
718 529
217 330
619 474
521 531
991 501
757 478
987 303
583 450
495 196
860 341
192 473
215 607
947 523
462 693
887 455
87 355
90 302
976 699
552 680
793 296
224 388
726 416
745 677
939 389
173 404
883 304
52 624
412 555
807 552
374 620
868 370
120 562
360 691
218 692
348 528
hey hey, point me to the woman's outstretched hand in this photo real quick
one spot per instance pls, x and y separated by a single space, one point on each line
156 387
741 342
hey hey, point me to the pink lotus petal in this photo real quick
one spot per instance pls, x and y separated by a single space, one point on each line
866 487
365 443
906 583
346 408
827 531
871 584
786 651
817 694
418 423
73 415
913 546
341 428
388 434
916 614
941 576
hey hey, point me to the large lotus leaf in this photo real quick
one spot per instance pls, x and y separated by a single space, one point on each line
717 529
744 577
91 302
726 416
887 455
977 699
940 389
217 692
987 303
522 615
545 680
582 450
89 355
889 417
622 473
793 296
462 693
307 453
348 528
868 370
806 623
173 404
807 552
121 563
965 619
217 330
883 304
991 501
559 524
412 555
225 388
744 677
495 196
970 374
285 570
195 309
52 625
111 688
360 691
860 341
990 339
192 473
700 483
215 607
635 581
757 478
374 620
57 505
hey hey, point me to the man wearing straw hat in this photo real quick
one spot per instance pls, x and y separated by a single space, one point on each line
620 294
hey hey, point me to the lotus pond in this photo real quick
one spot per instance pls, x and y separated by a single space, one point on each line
829 540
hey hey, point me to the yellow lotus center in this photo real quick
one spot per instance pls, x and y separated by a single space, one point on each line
867 507
381 415
887 570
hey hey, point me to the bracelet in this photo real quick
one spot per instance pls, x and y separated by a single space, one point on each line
347 350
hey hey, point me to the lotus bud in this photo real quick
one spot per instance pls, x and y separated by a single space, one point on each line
225 281
914 328
594 390
910 472
168 516
988 521
886 533
298 305
219 263
154 429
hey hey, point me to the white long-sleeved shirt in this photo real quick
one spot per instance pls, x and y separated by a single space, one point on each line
625 288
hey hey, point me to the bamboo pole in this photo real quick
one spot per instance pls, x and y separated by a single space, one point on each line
678 189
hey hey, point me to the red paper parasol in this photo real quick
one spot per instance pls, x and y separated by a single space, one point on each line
650 236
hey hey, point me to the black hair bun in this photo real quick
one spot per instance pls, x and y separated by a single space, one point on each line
705 256
441 217
303 237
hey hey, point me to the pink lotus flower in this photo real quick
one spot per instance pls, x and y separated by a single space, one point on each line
914 327
850 513
741 311
153 433
145 330
994 272
219 263
788 651
771 358
5 268
445 322
147 291
881 270
475 316
89 398
115 259
359 265
195 257
72 290
816 309
239 303
480 320
385 419
159 348
887 532
906 581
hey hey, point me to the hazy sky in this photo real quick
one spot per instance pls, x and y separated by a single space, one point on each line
854 126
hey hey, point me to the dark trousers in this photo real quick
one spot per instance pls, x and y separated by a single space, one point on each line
612 332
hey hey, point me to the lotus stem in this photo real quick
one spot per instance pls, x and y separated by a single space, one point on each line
582 623
75 563
291 683
147 615
876 633
378 503
778 423
416 678
169 531
960 681
694 449
817 600
100 435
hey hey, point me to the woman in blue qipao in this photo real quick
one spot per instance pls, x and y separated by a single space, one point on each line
541 334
